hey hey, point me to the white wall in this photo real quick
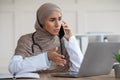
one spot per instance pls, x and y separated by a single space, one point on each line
17 17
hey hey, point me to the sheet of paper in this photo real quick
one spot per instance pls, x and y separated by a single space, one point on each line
20 75
2 76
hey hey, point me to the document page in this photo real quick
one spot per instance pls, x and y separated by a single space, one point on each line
20 75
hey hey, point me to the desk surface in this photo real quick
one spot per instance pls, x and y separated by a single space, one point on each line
102 77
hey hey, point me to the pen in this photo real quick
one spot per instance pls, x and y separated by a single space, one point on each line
14 78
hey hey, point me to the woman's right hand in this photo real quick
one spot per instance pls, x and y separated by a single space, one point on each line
56 57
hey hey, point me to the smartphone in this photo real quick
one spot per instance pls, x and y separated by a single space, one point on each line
61 32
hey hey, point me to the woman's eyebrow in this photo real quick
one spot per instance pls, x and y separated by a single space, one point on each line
56 18
52 18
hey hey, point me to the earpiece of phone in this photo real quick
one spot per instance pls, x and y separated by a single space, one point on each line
61 32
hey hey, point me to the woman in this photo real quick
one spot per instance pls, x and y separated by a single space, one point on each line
44 50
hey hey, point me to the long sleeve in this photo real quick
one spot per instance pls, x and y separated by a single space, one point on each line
28 64
75 53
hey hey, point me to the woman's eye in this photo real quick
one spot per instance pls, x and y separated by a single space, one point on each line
52 20
60 19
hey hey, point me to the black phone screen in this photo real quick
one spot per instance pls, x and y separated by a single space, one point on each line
61 32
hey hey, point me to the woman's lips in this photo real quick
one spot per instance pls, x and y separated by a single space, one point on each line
56 30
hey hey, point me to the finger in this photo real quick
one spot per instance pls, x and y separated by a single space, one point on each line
61 63
55 49
60 60
63 22
60 56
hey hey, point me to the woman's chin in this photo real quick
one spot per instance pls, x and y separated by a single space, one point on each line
55 34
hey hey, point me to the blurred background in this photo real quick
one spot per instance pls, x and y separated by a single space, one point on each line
93 19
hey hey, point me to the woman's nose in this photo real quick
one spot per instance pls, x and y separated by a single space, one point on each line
57 23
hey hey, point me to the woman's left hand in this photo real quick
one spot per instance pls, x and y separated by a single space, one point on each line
68 32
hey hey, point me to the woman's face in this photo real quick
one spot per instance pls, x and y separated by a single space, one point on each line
53 23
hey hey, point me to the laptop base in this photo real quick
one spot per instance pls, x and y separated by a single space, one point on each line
66 75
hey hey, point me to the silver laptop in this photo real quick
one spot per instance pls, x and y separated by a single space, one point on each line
98 60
